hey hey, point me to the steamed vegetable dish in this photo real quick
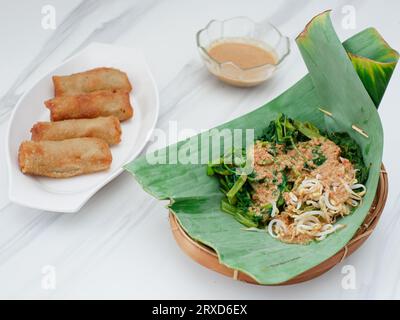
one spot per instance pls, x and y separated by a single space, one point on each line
300 182
341 92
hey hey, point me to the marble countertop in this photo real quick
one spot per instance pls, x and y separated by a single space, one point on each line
119 245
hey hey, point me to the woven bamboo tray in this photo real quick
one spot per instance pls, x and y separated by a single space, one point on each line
208 258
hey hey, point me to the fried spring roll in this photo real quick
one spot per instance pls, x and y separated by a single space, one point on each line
91 80
106 128
63 159
91 105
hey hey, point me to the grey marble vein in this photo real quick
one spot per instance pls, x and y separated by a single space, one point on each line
108 31
28 232
8 101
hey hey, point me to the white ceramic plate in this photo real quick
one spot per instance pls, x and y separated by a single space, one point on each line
69 195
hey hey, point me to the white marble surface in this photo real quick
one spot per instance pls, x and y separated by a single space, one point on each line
120 245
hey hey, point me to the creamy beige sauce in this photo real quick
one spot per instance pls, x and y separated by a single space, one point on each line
244 55
252 62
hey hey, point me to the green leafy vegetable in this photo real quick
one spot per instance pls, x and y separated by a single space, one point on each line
239 215
351 151
285 131
318 157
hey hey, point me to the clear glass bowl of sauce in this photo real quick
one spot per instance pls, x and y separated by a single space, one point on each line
242 52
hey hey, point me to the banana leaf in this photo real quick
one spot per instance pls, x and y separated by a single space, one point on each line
374 61
345 87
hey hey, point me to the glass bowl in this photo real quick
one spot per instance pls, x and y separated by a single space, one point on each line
242 29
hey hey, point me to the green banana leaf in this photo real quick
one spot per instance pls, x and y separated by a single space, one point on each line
374 62
332 84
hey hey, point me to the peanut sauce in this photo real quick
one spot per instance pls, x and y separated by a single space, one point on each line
253 59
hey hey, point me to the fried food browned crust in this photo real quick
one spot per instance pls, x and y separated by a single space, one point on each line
91 105
63 159
105 128
91 80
